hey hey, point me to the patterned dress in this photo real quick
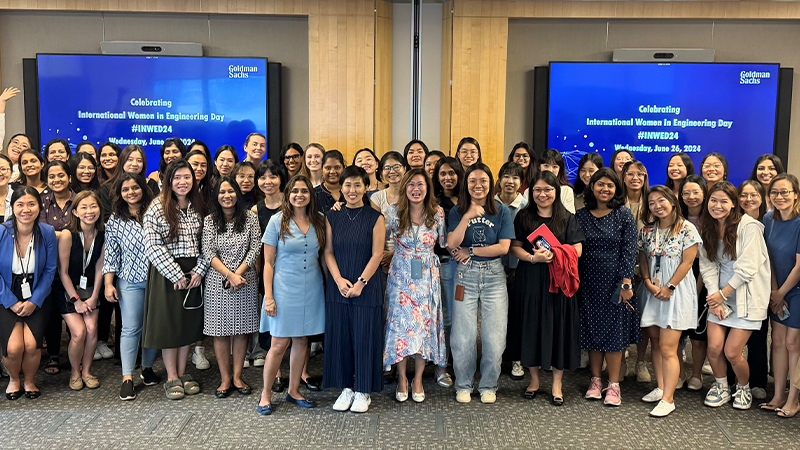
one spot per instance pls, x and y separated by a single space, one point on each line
414 323
228 312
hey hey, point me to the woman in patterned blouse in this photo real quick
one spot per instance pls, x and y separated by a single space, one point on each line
173 306
125 258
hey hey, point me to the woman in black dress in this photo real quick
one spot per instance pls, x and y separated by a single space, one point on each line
353 305
550 332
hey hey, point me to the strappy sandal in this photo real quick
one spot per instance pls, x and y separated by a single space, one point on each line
173 389
52 366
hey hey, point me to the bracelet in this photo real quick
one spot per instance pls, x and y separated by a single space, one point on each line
227 273
530 258
723 295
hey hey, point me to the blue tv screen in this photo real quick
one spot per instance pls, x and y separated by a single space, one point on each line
657 109
146 99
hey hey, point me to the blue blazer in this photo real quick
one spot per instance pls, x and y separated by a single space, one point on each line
45 270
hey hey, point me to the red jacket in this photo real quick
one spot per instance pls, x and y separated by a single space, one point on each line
564 270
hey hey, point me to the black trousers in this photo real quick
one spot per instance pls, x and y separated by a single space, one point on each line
757 356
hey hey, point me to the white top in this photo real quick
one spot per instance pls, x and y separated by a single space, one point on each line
379 199
9 209
19 265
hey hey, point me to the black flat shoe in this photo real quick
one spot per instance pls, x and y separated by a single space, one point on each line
530 395
278 385
33 394
14 395
244 390
557 401
311 383
223 393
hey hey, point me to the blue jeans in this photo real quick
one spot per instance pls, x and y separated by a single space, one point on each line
131 305
485 287
447 274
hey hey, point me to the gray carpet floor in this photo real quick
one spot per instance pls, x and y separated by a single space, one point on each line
97 419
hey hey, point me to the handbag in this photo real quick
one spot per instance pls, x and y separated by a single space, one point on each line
16 284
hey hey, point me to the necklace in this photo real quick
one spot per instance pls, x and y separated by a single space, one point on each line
347 211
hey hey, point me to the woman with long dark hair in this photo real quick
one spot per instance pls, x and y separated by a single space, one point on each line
292 159
225 159
330 191
679 166
714 168
468 152
431 159
367 160
56 150
481 230
522 154
173 305
83 172
618 160
108 158
736 269
126 261
244 175
201 165
80 258
549 322
16 145
766 168
414 153
30 253
231 245
294 302
667 248
30 170
610 320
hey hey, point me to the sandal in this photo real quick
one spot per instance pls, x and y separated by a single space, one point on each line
785 413
769 407
52 366
190 387
173 389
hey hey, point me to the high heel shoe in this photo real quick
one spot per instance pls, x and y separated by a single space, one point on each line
401 396
303 403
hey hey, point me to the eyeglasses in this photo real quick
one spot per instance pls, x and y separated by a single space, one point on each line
543 191
476 182
783 194
635 175
245 177
5 170
522 156
717 166
749 196
291 157
395 168
466 152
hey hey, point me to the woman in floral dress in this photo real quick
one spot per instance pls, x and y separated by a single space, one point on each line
414 324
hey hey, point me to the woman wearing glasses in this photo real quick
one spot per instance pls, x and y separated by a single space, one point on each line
782 233
714 168
523 155
392 168
291 158
468 152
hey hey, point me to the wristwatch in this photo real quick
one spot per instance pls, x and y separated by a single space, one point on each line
362 280
627 286
671 286
471 252
74 299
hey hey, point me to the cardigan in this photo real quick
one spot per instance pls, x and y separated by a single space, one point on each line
44 271
751 277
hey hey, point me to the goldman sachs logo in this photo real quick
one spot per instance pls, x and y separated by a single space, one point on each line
239 71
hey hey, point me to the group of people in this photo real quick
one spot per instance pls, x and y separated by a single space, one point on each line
399 258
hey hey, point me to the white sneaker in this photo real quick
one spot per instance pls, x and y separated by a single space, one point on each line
105 352
488 397
246 364
654 396
97 355
695 384
759 393
199 358
361 403
259 361
584 359
662 409
463 396
344 401
717 396
742 399
642 374
516 371
707 369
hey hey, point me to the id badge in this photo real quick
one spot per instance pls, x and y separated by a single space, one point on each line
82 283
26 289
416 268
656 279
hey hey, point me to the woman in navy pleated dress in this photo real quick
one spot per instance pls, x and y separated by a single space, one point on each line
353 296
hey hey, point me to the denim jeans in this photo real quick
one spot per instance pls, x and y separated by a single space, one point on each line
485 287
131 305
447 274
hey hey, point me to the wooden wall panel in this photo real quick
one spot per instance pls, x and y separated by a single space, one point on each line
479 84
383 78
341 75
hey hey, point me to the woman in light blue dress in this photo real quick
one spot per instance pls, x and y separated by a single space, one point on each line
294 298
